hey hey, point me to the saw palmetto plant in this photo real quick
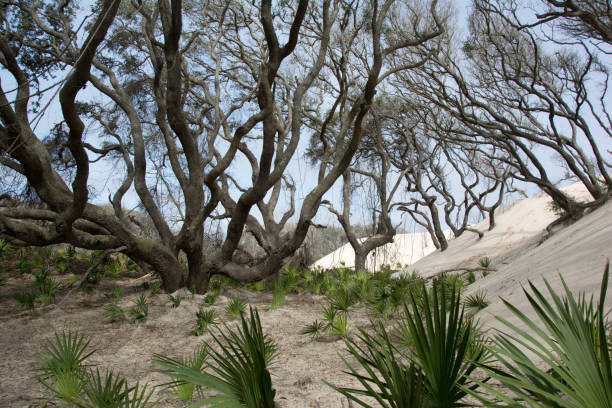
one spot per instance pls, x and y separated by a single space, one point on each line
563 362
239 371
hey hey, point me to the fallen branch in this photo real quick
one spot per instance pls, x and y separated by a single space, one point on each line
465 271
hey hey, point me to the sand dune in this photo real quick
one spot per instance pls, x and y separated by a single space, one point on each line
515 224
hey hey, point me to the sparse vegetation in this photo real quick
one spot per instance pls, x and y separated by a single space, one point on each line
184 390
316 329
205 318
572 344
114 313
61 370
383 375
485 262
241 371
140 311
278 298
235 307
396 360
26 299
476 301
175 301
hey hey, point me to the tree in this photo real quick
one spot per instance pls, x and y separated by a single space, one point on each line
515 101
372 166
188 88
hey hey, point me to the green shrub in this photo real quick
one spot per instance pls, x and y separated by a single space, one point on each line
26 299
114 313
5 247
155 287
204 319
315 330
572 345
484 262
107 390
240 371
470 277
66 353
117 292
289 280
45 286
140 310
113 269
23 265
235 307
342 299
476 302
339 326
441 336
184 390
175 301
60 368
278 299
384 376
209 300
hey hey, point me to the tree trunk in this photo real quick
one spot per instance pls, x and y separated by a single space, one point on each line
198 278
360 260
162 259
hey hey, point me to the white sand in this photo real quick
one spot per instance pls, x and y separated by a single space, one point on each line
405 250
514 225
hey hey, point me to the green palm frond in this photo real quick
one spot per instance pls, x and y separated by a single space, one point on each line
383 375
65 354
563 362
240 370
441 337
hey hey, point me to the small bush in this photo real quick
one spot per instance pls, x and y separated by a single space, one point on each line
184 390
383 375
235 307
240 371
26 299
4 248
575 359
62 371
470 278
175 301
66 353
209 300
45 286
484 262
113 269
140 310
114 313
117 292
342 299
476 301
339 326
278 299
315 330
204 319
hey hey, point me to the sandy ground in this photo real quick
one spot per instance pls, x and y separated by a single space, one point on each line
297 376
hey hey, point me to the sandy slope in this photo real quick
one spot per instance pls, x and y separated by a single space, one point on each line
577 252
515 224
405 249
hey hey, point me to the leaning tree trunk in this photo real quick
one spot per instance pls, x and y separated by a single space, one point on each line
162 259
